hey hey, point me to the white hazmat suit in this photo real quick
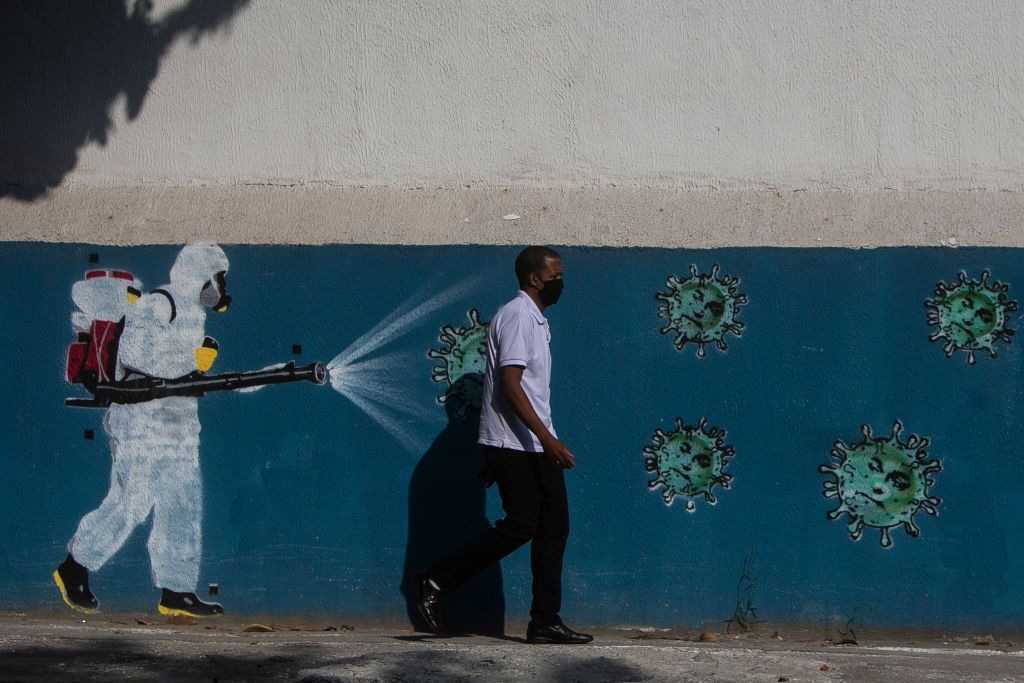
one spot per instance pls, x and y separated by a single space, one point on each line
155 445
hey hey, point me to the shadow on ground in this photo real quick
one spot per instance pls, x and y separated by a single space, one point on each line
453 667
121 659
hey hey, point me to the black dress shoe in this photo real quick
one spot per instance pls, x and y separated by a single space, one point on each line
429 602
559 633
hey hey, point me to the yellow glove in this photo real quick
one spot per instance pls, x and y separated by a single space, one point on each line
206 354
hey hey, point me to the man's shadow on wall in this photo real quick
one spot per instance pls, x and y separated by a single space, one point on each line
447 509
65 65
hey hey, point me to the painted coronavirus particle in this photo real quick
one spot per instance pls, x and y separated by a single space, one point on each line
970 315
688 462
463 356
881 482
701 309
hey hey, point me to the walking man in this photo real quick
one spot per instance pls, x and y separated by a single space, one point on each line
522 454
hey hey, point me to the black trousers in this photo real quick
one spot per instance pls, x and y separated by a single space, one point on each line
532 490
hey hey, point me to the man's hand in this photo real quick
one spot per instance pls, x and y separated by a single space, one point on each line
559 454
512 390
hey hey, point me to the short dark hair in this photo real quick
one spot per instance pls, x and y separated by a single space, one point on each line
531 260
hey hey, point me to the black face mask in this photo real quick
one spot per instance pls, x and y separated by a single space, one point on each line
552 290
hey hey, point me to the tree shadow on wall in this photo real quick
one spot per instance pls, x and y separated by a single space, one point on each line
447 509
66 64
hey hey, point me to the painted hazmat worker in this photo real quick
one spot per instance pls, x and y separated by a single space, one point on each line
155 444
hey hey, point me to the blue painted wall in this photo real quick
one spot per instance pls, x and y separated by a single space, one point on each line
311 507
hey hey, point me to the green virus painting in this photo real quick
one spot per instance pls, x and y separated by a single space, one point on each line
701 309
970 315
882 482
463 359
688 462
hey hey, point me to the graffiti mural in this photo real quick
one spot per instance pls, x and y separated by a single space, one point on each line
701 309
688 462
144 358
971 315
463 360
882 482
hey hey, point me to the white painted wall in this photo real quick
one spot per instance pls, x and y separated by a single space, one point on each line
728 94
853 123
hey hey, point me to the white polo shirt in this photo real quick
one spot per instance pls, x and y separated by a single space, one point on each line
519 335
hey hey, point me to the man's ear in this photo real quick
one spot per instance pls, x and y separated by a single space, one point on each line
533 280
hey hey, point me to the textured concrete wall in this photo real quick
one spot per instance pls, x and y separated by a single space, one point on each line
698 125
749 97
619 216
858 95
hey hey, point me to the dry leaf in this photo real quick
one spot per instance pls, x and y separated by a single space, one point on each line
257 628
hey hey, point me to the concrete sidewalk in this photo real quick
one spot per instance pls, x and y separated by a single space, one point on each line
144 648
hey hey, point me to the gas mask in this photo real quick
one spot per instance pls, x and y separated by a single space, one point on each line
215 293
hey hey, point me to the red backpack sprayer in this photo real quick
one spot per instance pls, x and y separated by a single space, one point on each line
92 362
